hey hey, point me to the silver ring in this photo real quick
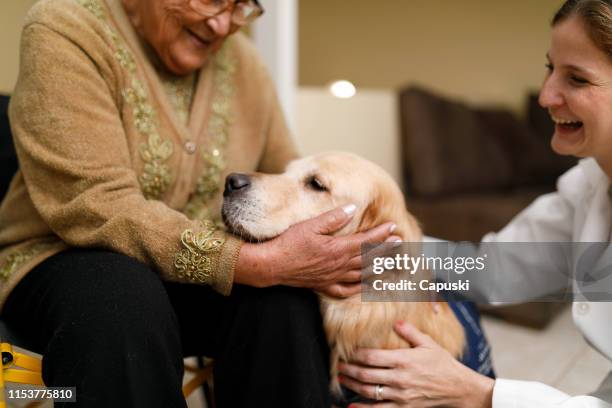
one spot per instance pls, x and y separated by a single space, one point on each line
379 392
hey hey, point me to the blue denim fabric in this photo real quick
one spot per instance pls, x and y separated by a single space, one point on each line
477 354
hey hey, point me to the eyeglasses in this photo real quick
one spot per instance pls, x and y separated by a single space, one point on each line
243 11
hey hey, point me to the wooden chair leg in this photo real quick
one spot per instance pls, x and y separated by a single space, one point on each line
207 388
200 377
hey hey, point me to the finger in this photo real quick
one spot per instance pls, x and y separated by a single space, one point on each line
369 391
331 221
367 273
368 375
348 289
436 307
372 236
355 262
382 249
377 357
353 243
350 277
365 390
413 335
342 291
394 238
375 405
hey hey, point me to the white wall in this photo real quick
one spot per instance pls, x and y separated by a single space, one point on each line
366 124
481 51
275 35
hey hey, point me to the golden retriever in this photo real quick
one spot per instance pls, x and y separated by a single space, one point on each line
262 206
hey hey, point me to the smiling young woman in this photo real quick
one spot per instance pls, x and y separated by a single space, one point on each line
577 90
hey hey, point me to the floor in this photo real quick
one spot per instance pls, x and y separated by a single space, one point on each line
557 355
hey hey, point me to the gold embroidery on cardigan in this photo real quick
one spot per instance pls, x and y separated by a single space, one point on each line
94 8
194 261
144 113
156 177
156 151
17 259
209 183
180 93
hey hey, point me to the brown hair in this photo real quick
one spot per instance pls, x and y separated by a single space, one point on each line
597 18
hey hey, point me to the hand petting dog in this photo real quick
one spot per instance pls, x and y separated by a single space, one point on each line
408 378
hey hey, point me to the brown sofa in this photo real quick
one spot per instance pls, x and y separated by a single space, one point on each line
467 171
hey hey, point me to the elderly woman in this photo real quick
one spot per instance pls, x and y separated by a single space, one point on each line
127 115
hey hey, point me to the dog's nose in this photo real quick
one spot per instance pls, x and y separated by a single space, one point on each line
236 182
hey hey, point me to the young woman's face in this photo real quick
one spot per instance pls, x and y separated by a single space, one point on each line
577 92
183 39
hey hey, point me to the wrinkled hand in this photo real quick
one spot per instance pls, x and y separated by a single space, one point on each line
423 376
308 256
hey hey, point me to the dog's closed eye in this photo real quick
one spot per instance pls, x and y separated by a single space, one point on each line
315 184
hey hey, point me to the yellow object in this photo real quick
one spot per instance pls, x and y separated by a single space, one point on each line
23 369
18 368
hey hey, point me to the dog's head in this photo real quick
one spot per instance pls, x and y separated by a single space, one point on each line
259 206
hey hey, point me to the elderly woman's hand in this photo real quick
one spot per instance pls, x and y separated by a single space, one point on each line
423 376
308 256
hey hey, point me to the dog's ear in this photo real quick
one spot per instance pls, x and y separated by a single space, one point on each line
388 205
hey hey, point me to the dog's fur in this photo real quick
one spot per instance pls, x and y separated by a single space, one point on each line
316 184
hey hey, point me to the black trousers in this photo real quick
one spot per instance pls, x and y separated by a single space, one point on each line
108 325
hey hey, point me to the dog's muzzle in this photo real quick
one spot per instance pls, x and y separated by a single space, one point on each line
236 208
236 183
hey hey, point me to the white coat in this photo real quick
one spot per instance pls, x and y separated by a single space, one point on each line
580 211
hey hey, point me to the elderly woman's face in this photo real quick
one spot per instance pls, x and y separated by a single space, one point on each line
182 38
578 93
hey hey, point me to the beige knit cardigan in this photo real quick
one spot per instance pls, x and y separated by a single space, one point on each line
107 163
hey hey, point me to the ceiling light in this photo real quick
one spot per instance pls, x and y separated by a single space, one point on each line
342 89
